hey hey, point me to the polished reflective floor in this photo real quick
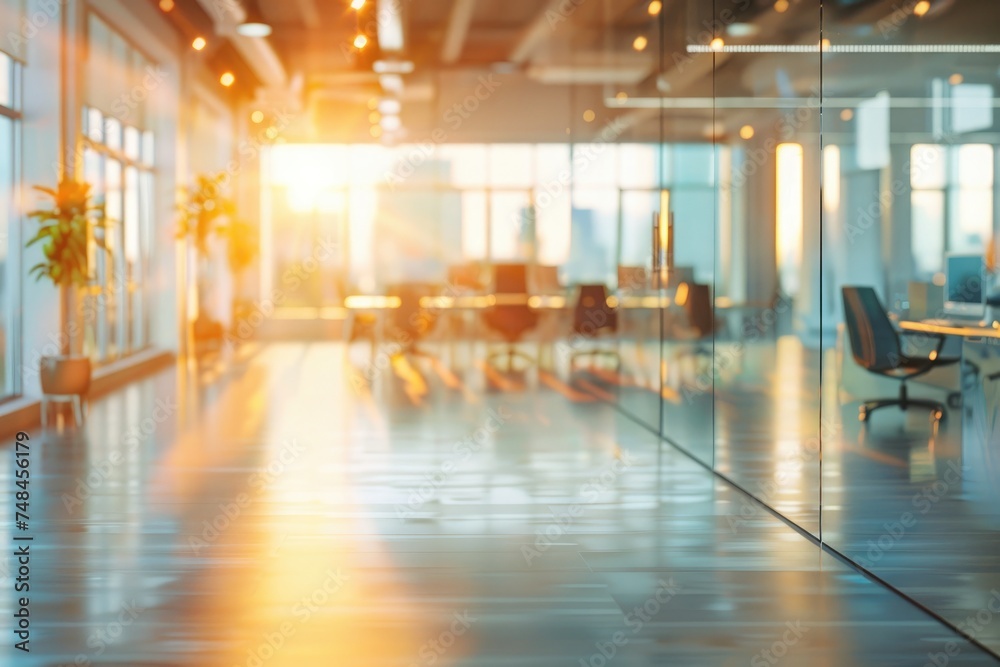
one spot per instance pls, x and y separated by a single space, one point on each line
308 505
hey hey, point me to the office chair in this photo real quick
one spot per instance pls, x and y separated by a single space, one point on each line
591 316
877 347
410 322
511 321
545 280
633 278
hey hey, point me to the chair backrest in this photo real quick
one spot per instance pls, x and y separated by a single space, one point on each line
874 341
545 279
633 278
410 318
510 278
511 321
699 308
466 276
592 312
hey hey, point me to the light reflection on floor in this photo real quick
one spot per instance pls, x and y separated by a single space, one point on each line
277 513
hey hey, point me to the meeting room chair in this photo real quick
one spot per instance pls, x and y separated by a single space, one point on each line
877 347
511 321
593 319
410 323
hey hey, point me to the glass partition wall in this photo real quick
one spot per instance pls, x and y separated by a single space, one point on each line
758 158
910 137
849 145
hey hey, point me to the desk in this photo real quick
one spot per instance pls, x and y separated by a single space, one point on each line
943 328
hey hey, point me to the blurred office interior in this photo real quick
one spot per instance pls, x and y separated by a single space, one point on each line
408 276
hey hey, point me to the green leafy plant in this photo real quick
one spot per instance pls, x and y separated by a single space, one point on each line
66 229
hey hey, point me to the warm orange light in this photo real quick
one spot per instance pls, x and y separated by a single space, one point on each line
824 45
639 43
166 5
376 131
654 7
622 97
357 4
716 44
781 6
921 8
257 116
846 115
374 117
199 43
956 79
271 132
589 115
227 79
360 41
746 132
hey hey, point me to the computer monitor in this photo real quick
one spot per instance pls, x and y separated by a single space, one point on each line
963 290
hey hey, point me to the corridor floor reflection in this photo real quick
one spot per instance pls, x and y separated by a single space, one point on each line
282 515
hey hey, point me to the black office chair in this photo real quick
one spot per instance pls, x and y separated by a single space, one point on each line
592 317
410 322
511 321
877 347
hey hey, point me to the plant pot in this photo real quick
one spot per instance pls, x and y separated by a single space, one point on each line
65 375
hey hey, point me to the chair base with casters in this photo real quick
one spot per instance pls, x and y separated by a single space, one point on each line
904 402
79 407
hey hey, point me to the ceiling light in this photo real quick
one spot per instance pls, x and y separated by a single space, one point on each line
955 79
781 6
393 66
716 44
357 4
271 132
254 24
227 79
374 117
199 43
622 97
166 5
589 115
375 131
742 29
846 115
921 8
389 106
257 116
391 123
390 26
824 44
392 83
639 43
654 7
746 132
360 42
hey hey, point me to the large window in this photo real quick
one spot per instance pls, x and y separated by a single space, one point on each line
415 210
10 79
952 201
118 158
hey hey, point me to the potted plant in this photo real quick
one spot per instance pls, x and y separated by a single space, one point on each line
203 213
66 229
